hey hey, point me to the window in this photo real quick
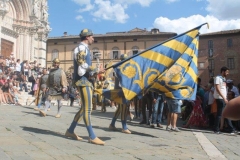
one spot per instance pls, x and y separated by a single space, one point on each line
201 65
229 43
210 48
211 74
210 44
94 51
135 50
230 63
115 52
210 64
55 53
210 52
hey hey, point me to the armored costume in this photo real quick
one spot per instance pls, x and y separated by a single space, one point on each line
39 99
82 72
56 83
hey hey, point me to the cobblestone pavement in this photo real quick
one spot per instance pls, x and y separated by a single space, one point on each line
25 135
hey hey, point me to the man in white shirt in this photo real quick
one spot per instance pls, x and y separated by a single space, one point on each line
220 94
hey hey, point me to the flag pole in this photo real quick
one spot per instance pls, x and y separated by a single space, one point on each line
119 63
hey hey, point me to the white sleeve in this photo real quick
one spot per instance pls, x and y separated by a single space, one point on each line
82 69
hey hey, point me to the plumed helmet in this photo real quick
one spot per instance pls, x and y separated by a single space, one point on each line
86 32
56 60
123 57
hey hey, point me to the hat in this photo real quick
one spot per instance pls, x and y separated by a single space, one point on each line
86 32
229 81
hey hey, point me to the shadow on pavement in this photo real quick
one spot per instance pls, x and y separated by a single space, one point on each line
31 113
57 134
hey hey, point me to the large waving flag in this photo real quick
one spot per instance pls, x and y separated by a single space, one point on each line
169 68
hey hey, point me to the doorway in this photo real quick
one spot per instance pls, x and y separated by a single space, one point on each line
6 48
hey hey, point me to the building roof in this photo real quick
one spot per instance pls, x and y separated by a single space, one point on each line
134 32
222 32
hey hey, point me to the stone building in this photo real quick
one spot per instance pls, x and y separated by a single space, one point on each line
24 29
218 49
110 45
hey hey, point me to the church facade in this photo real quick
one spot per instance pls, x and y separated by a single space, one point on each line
24 29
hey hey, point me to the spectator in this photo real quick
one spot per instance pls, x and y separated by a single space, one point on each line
231 87
174 107
26 69
18 67
220 94
158 104
22 82
7 95
14 93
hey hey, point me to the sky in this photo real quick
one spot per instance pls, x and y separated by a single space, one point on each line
179 16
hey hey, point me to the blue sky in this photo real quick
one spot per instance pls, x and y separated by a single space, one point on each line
178 16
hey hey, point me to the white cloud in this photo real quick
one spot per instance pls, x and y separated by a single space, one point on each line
182 25
80 18
223 9
113 10
108 11
87 6
143 3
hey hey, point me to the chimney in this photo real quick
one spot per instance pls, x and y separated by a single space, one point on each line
65 34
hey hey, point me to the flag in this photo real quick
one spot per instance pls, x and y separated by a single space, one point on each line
169 68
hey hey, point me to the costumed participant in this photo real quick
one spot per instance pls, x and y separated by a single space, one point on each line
82 71
40 100
122 108
105 101
97 98
57 87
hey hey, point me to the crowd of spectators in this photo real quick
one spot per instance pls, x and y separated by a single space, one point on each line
17 76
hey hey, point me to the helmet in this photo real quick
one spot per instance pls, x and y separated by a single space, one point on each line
86 32
56 60
123 57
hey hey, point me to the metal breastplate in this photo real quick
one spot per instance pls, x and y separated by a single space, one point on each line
44 79
55 87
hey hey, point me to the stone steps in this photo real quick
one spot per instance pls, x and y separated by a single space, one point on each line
26 99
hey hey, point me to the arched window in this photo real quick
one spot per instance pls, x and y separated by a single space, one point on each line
94 51
115 52
135 50
55 53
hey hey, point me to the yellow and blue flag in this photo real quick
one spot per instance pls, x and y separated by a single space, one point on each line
169 68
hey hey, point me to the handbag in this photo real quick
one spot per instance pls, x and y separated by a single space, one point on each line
214 106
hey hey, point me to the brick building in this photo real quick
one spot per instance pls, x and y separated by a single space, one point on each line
219 49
